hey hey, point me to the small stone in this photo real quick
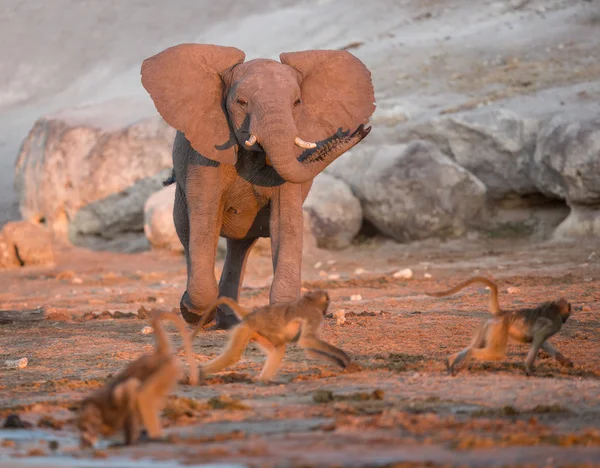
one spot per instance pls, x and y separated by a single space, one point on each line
77 281
323 273
318 265
334 276
16 363
14 421
592 256
330 262
160 300
356 297
513 290
322 396
427 275
406 273
147 330
340 317
359 271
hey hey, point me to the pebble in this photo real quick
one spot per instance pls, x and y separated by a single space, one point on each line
356 297
318 265
513 290
407 273
77 281
427 275
340 317
330 262
16 363
359 271
160 300
147 330
334 276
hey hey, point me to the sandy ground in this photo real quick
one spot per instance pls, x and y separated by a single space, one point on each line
490 415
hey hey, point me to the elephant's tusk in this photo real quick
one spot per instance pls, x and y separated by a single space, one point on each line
304 144
251 141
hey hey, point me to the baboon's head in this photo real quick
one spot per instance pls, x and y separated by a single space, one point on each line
320 298
564 308
89 424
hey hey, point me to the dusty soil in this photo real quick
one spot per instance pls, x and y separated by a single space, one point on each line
489 415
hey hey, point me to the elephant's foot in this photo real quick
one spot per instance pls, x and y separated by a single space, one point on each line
188 311
225 320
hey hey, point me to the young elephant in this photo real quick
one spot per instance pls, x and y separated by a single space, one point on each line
251 137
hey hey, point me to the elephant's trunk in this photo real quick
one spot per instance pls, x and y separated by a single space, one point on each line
280 140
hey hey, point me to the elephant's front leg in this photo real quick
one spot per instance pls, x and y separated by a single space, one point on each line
203 195
232 278
286 242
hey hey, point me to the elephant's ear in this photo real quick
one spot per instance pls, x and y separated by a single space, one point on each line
336 91
185 82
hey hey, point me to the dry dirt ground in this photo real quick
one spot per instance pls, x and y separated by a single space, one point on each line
490 415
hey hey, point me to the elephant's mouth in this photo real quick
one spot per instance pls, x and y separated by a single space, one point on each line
323 147
254 167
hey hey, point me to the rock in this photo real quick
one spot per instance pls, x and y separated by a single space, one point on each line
23 243
566 167
117 221
86 155
159 226
567 160
16 363
413 192
147 331
158 220
335 213
497 146
406 273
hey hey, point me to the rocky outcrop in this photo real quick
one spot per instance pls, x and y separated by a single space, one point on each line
23 243
83 157
567 166
496 146
412 192
335 214
158 220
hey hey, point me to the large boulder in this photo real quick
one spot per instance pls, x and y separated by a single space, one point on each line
335 215
567 166
23 243
413 192
497 146
159 226
82 156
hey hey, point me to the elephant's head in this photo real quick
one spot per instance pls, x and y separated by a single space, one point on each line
296 116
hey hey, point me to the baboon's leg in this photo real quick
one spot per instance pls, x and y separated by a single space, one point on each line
457 360
556 354
273 362
125 394
496 338
238 340
542 330
152 394
319 349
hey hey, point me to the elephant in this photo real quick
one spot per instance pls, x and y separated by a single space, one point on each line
250 138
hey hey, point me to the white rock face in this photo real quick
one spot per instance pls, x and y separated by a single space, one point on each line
335 213
72 160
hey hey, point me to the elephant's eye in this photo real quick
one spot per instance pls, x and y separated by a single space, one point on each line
297 102
242 102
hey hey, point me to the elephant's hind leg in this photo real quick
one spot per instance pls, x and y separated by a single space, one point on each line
232 278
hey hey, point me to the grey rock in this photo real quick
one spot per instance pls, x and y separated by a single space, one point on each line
567 160
497 146
110 219
413 192
583 222
82 156
335 213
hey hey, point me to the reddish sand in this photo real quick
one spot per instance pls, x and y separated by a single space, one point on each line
491 414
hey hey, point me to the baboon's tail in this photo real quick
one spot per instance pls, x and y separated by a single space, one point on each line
494 306
169 180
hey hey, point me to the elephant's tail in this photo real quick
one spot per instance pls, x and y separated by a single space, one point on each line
169 180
